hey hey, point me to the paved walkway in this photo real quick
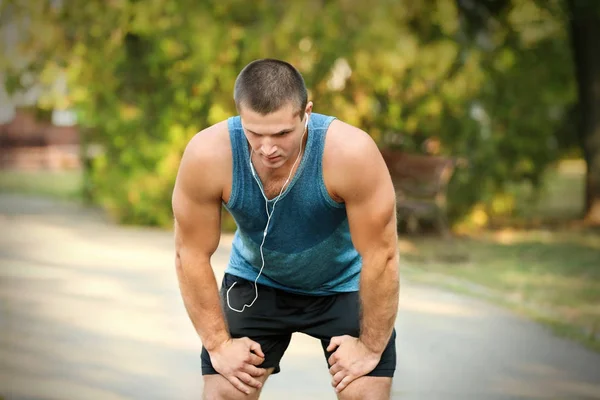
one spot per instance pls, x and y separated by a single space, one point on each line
89 310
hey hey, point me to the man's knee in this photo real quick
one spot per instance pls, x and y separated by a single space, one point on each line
368 388
218 388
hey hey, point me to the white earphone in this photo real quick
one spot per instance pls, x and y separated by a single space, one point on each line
269 215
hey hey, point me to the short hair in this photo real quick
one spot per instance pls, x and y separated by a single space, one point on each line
266 85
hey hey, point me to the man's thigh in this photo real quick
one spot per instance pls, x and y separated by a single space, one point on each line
342 317
261 322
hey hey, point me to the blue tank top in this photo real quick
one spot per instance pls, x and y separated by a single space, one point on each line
307 249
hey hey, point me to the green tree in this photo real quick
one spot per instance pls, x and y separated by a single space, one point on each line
579 23
144 76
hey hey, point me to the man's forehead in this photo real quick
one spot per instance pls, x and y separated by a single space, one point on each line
270 123
290 110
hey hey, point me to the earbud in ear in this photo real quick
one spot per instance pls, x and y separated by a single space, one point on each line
306 124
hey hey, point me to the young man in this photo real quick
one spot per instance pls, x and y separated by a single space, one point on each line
315 250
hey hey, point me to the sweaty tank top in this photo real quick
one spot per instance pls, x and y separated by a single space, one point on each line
307 249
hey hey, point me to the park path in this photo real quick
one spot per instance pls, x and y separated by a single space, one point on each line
90 310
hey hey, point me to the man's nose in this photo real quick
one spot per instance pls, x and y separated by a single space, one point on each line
268 148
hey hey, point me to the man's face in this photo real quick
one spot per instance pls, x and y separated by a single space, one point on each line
275 137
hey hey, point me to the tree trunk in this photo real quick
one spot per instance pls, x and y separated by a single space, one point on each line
585 33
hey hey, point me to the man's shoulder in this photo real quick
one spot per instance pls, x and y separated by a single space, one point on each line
206 161
211 144
346 142
350 160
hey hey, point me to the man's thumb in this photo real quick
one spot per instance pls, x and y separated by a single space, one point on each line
334 343
255 347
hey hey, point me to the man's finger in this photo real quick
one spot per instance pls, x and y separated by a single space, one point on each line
333 343
344 383
337 378
248 380
253 371
255 360
255 347
332 359
239 385
335 368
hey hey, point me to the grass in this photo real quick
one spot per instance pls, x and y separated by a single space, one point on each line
538 262
57 184
553 277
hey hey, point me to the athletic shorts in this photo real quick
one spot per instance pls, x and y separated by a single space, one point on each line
277 314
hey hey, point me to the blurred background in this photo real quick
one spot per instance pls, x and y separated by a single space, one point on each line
487 113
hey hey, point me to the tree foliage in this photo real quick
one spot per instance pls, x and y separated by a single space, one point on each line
144 76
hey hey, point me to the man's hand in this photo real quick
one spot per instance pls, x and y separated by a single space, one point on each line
236 361
350 361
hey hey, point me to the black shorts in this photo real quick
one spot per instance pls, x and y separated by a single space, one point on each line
277 314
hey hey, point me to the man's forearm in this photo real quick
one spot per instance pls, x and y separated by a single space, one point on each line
379 289
201 299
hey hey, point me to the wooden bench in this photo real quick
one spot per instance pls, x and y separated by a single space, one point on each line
421 183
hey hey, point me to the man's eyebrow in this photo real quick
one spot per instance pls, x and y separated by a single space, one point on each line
276 133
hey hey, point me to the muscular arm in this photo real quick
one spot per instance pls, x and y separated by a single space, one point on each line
364 184
197 210
201 180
